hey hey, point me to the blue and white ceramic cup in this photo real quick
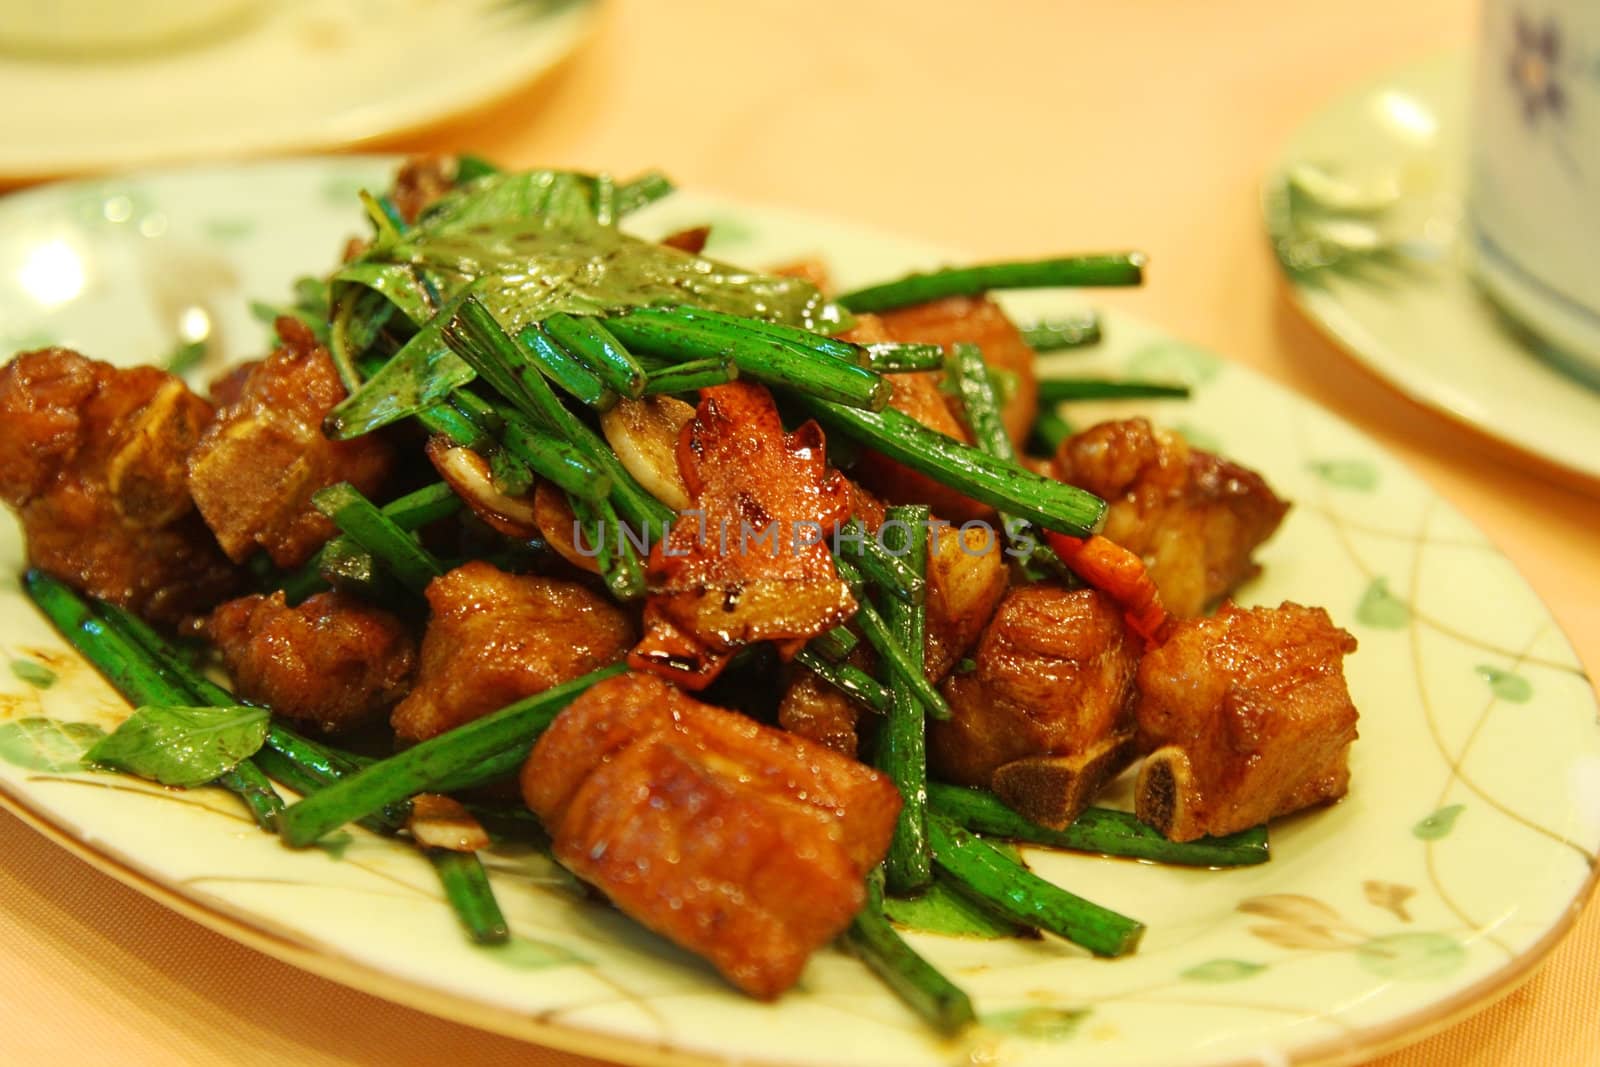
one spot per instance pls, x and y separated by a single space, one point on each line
1534 202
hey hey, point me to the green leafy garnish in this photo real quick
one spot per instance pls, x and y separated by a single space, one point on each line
182 746
528 246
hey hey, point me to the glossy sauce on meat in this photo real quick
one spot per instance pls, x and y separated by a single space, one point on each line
257 466
741 843
1246 716
1194 517
92 459
495 638
1046 718
751 561
332 662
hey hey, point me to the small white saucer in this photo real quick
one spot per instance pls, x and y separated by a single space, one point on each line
303 75
1364 211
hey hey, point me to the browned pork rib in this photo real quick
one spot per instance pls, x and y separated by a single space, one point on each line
739 842
978 321
751 563
92 459
1046 718
495 638
1246 716
332 662
1194 517
816 711
258 464
420 182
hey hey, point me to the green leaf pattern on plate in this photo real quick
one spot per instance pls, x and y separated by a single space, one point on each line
1381 609
1037 1024
529 954
1440 823
47 745
1222 971
34 673
1510 687
1357 474
1421 956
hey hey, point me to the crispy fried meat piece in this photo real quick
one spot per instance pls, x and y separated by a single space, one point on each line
495 638
1193 516
967 578
258 464
420 181
980 321
750 562
332 662
1046 718
1246 716
739 842
816 711
918 395
92 459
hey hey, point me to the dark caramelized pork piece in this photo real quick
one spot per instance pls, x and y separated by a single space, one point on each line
332 662
978 321
258 464
918 395
1246 716
92 459
1194 517
751 563
1046 718
495 638
816 711
420 181
739 842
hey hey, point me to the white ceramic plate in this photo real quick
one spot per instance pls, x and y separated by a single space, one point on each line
303 74
1461 854
1378 177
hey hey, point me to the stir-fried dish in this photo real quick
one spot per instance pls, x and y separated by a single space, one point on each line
777 606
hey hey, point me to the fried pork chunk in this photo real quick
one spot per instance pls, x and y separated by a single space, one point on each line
92 459
332 662
495 638
1046 718
258 464
817 711
977 321
966 577
750 563
1246 716
1194 517
739 842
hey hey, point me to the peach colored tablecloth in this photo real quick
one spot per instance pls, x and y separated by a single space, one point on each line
1008 129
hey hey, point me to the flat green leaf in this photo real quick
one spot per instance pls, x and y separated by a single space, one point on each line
529 246
1222 971
37 744
1037 1024
527 954
1440 823
1381 609
1412 956
182 746
1357 474
1507 686
34 673
941 910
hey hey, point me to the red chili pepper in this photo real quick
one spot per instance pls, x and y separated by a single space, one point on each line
1119 574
